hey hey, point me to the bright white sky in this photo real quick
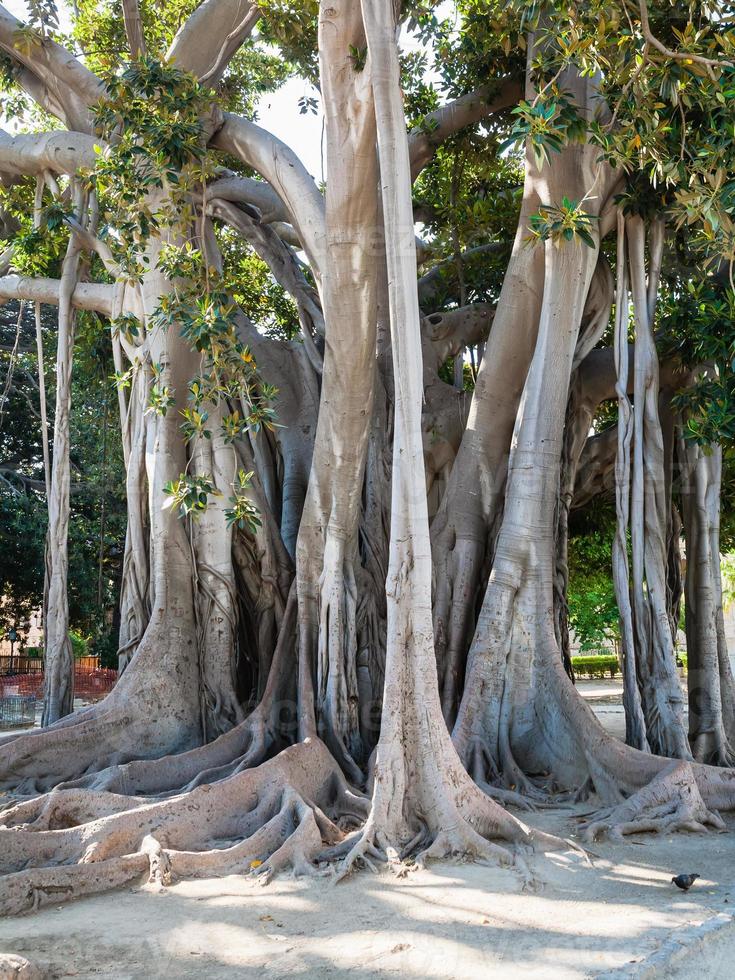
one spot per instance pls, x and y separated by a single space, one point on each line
278 112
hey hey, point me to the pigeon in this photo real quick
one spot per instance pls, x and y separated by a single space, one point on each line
684 882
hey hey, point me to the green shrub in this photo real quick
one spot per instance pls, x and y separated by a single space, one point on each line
601 665
606 665
79 645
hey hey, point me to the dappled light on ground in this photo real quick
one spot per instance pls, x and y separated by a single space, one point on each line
463 920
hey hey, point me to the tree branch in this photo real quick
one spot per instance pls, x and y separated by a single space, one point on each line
596 375
95 296
285 269
286 174
52 75
596 468
34 153
444 274
133 27
246 190
668 52
452 331
207 41
449 119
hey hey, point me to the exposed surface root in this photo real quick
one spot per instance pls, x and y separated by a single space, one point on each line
461 841
19 968
77 842
64 808
509 797
670 802
243 747
471 826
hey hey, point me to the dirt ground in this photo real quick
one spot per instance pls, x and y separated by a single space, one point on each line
621 917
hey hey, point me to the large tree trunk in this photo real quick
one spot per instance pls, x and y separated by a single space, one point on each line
661 694
327 560
516 622
422 797
218 650
711 690
463 529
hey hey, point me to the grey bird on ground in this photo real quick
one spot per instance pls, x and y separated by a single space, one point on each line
684 882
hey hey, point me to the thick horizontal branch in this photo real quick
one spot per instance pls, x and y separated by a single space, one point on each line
209 38
596 469
94 296
596 383
59 152
246 190
286 174
465 111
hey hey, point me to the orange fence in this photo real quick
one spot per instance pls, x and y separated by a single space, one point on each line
21 665
89 685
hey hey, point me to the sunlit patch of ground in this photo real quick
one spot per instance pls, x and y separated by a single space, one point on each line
454 920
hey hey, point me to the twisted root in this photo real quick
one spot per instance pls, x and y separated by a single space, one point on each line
670 802
79 842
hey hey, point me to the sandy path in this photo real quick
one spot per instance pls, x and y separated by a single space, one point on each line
454 920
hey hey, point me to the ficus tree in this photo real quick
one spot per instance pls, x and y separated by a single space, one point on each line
343 607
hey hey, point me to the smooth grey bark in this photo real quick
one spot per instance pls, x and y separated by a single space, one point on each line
661 695
581 405
711 689
327 559
635 724
422 797
519 712
505 723
58 692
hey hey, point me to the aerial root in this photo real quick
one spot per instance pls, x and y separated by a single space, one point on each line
281 815
509 797
670 802
513 789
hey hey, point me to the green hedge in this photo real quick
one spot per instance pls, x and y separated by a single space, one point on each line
606 665
601 665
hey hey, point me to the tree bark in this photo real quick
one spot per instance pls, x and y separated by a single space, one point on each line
710 682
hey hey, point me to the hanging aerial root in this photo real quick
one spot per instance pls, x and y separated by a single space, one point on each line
277 816
670 802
